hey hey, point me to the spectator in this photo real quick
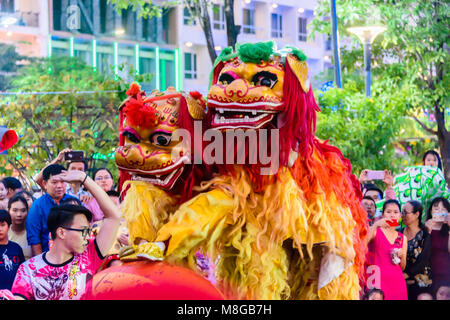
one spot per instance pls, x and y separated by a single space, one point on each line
13 185
28 196
63 271
74 188
374 192
418 268
11 255
431 158
374 294
425 296
438 226
104 179
37 231
387 251
370 207
18 210
3 193
443 290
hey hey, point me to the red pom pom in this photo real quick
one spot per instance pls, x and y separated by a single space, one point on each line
139 114
133 90
195 94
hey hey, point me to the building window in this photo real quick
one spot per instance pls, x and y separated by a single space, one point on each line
302 31
218 17
7 6
190 65
249 21
188 20
277 25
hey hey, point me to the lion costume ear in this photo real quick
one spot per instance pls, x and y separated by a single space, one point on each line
196 105
300 69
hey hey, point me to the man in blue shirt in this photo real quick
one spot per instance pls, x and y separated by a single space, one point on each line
36 223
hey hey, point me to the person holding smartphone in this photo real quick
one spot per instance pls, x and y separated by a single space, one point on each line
387 254
438 226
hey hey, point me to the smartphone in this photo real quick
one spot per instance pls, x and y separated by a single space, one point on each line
74 156
375 175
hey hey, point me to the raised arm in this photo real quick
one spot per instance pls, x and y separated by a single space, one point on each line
60 158
107 234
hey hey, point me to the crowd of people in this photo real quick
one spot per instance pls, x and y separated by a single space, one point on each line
408 244
52 242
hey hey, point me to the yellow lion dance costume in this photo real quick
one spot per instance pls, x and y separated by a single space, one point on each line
296 233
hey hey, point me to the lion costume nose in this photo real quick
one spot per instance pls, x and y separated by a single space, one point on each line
238 88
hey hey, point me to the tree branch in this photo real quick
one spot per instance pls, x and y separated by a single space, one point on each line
424 126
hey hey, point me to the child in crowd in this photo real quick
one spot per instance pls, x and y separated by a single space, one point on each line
11 254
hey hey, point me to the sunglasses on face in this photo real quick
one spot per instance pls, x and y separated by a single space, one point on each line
84 232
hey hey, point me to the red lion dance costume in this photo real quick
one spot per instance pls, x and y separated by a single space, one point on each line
298 233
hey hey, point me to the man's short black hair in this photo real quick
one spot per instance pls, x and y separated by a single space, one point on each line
62 216
84 162
5 217
380 192
12 183
71 200
113 193
52 170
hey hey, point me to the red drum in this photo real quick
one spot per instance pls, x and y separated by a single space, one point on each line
147 280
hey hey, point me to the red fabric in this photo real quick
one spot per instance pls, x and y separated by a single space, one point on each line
146 280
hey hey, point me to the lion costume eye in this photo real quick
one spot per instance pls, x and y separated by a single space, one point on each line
265 78
131 136
226 78
160 138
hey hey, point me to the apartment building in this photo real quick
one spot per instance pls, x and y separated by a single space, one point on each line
172 47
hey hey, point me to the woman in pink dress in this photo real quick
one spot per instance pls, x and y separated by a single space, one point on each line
387 254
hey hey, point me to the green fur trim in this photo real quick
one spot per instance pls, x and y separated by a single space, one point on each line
255 52
298 53
225 55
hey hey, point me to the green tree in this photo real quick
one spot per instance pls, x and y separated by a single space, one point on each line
82 113
411 56
9 59
362 128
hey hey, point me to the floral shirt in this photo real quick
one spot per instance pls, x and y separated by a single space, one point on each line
38 279
418 265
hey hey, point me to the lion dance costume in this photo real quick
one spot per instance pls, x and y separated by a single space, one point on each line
295 230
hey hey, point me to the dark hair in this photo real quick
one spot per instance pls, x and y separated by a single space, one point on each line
389 202
21 193
5 217
417 207
371 199
52 170
16 198
444 228
436 155
380 192
98 169
3 183
84 162
12 183
62 216
113 193
371 292
71 200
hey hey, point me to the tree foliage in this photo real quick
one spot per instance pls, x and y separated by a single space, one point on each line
72 106
411 56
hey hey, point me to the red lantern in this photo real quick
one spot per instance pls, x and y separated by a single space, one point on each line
147 280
